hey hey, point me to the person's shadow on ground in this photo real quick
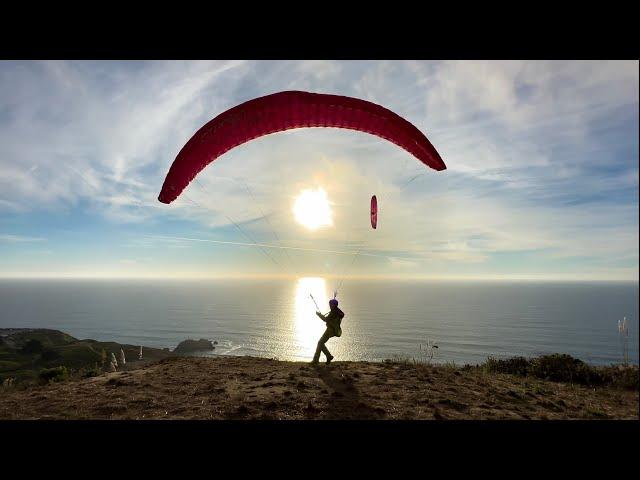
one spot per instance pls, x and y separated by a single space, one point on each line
345 401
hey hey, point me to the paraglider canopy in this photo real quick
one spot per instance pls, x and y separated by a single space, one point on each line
374 212
284 111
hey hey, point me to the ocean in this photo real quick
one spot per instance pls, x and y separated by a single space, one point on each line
468 321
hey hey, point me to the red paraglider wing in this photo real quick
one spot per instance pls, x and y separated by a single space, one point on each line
374 211
287 110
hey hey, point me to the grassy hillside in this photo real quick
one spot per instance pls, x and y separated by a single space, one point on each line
25 354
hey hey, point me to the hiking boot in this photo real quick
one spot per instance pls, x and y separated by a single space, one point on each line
329 358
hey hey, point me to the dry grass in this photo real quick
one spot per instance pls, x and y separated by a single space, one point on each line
257 388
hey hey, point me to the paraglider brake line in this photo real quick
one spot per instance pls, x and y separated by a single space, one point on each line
412 179
266 219
264 216
314 301
343 274
240 229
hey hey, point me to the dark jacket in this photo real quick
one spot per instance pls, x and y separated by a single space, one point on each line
333 320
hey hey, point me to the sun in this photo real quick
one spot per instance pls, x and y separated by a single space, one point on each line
312 210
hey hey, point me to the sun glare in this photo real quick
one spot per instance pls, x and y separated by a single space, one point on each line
312 209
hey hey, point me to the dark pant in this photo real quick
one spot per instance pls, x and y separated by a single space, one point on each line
328 333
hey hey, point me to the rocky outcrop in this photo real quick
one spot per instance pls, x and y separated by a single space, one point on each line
191 346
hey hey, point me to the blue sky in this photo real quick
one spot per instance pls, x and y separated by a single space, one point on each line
542 178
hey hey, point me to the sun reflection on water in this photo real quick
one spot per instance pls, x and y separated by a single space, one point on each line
308 327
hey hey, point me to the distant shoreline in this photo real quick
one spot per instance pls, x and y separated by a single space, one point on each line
155 353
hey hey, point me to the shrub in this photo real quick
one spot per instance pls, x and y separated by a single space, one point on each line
565 368
90 372
622 376
56 374
514 366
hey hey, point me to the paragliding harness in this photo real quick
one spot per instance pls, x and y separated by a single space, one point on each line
336 328
339 316
333 321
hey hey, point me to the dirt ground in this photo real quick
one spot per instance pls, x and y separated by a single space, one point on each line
258 388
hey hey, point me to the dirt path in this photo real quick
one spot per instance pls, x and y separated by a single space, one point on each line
257 388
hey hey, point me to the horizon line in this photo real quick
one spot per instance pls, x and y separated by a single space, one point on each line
444 278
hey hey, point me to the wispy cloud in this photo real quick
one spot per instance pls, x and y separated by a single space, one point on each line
19 238
542 160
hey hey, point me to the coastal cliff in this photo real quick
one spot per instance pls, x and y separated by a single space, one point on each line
261 388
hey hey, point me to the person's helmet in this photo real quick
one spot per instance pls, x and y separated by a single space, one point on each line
333 302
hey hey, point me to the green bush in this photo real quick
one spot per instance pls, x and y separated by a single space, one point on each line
56 374
565 368
514 366
90 372
622 376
